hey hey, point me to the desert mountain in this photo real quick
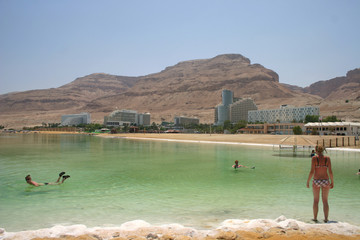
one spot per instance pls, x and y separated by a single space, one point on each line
190 88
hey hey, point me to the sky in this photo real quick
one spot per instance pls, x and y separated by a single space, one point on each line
49 43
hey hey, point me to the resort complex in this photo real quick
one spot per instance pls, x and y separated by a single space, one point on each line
244 109
233 110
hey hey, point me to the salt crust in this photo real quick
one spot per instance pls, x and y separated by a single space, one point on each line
142 228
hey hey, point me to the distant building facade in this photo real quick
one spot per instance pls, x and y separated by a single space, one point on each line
272 128
75 119
239 109
334 128
144 119
183 121
232 109
129 117
286 114
223 109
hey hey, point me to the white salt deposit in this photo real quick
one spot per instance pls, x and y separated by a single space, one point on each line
140 227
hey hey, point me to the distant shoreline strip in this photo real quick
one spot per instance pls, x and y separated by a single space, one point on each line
228 143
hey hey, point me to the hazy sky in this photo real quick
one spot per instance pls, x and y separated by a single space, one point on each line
49 43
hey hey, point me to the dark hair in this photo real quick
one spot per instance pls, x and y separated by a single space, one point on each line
27 177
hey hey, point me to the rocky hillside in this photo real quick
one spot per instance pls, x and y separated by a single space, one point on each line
338 88
190 88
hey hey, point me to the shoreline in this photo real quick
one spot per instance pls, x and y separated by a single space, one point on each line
301 141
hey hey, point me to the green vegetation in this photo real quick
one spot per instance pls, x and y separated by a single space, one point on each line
231 127
331 119
315 118
311 118
90 127
297 130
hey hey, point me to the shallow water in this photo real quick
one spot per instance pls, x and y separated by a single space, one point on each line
119 180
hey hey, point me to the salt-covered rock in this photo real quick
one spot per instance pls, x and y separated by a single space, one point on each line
292 225
133 225
280 219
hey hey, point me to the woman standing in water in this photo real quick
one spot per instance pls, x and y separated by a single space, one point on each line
321 170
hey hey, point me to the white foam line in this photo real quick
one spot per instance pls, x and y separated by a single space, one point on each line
343 149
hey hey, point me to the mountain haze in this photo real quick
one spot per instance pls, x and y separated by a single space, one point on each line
191 88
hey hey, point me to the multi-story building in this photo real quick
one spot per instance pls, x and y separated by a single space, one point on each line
239 109
223 109
285 114
232 109
75 119
144 119
184 121
272 128
121 117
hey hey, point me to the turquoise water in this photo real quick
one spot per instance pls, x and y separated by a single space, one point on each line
114 181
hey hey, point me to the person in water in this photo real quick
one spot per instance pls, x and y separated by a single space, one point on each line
321 171
358 173
31 182
236 165
312 153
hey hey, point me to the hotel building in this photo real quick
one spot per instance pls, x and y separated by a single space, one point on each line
184 121
232 109
120 117
75 119
286 114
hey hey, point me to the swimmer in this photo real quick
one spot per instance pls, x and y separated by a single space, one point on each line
236 165
313 153
31 182
358 173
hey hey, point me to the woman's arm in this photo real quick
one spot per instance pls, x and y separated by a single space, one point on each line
331 174
311 173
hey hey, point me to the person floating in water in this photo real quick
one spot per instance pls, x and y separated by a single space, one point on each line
321 170
236 165
31 182
313 153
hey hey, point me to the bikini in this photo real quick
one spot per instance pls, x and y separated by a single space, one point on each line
321 182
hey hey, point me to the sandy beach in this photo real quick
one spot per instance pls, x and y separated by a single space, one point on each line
309 141
263 229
